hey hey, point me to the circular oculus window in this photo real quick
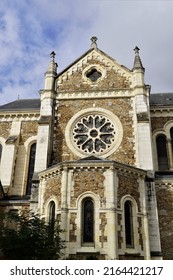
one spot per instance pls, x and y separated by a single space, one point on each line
94 131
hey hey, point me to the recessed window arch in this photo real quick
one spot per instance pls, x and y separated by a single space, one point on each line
87 220
31 168
128 217
161 144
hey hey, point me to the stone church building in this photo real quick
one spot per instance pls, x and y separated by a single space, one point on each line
96 152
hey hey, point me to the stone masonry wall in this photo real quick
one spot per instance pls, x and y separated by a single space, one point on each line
112 79
164 194
119 106
28 129
128 185
5 129
53 188
87 181
159 122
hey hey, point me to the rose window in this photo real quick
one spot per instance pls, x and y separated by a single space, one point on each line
94 134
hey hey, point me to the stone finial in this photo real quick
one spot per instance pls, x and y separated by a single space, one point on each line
94 42
52 55
137 61
136 50
52 64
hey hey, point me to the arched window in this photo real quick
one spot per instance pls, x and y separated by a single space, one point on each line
52 213
128 216
0 151
31 168
162 152
88 220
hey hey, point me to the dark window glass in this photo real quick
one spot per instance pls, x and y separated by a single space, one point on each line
128 224
171 133
94 75
88 220
31 168
0 151
162 152
52 213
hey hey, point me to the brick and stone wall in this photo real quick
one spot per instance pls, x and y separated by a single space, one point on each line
164 192
5 129
28 129
119 106
87 181
128 185
53 189
75 81
159 122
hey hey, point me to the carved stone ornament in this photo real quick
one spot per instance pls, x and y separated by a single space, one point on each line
97 132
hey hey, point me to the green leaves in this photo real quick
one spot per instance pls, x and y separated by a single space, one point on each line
25 236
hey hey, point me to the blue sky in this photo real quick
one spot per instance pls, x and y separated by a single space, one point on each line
31 29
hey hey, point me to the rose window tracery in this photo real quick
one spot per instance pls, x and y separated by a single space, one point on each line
94 134
94 131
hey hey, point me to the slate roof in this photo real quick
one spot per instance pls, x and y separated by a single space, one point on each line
21 104
162 99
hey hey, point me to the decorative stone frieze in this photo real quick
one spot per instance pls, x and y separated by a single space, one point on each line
19 116
94 94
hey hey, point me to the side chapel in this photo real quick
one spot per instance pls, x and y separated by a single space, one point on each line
96 152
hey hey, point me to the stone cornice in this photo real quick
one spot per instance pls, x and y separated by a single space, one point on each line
20 115
164 183
94 94
157 111
90 165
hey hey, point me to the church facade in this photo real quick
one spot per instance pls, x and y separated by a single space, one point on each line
95 151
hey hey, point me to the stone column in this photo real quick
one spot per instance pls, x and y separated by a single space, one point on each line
111 204
64 208
145 228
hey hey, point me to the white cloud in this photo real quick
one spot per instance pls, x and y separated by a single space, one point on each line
30 30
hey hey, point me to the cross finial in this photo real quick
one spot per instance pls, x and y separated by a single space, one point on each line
52 55
136 49
94 42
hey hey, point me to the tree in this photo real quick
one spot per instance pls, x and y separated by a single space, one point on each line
30 239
